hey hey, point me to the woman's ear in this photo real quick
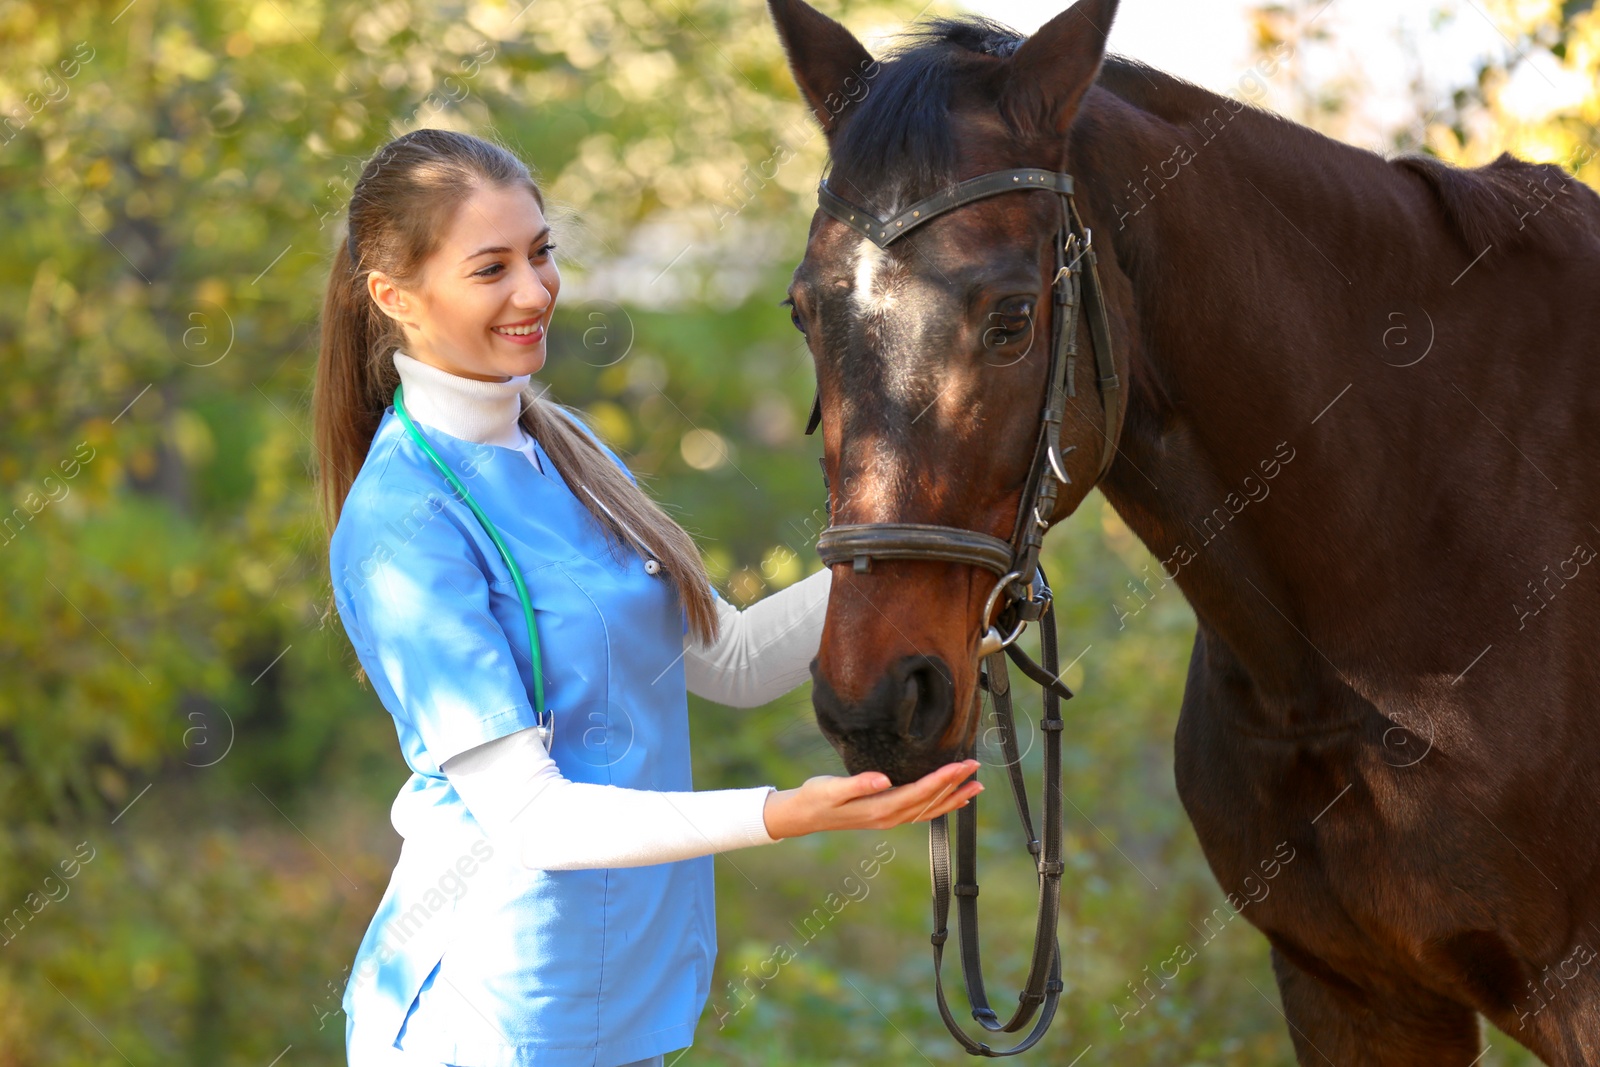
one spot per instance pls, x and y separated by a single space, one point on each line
387 295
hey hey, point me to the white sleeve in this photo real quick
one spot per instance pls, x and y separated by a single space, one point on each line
763 651
518 795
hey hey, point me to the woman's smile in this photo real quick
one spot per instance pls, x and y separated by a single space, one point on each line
526 332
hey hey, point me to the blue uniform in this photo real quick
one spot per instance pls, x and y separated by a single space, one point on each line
472 958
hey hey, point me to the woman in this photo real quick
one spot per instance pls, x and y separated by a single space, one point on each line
552 904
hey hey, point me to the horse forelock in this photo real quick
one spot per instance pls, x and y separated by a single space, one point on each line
897 145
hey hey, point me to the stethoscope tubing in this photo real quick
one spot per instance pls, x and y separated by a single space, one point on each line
546 720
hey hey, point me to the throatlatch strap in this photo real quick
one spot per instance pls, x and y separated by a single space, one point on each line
1100 335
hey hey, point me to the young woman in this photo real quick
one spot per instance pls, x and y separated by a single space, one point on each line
552 904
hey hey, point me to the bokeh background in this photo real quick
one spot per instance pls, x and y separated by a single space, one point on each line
194 791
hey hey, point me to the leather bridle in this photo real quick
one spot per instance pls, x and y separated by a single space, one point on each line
1022 592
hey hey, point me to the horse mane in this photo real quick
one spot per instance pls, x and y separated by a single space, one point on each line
897 144
1487 204
1484 206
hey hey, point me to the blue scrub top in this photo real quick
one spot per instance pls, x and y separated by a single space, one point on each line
472 958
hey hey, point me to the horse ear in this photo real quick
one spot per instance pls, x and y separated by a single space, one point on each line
830 66
1050 71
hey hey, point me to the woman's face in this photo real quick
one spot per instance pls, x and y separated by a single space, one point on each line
483 299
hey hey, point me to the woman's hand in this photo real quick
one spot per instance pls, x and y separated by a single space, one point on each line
867 802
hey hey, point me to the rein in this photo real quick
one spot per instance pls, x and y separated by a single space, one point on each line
1022 594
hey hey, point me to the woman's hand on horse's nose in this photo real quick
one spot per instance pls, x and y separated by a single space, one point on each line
866 801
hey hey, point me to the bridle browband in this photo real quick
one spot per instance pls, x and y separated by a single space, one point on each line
1022 585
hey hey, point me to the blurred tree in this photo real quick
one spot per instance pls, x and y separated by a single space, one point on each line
1553 47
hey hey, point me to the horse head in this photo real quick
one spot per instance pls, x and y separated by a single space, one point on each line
933 351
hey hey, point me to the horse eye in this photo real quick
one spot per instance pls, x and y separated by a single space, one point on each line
1021 315
794 314
1010 323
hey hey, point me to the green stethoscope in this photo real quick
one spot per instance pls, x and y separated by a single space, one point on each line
546 724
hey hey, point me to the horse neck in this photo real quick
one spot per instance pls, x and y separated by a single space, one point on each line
1223 470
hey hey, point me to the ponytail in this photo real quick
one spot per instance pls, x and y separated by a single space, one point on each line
350 393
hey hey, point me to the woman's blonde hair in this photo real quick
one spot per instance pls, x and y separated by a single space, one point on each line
405 199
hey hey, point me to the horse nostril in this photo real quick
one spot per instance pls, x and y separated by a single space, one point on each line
913 701
924 707
906 712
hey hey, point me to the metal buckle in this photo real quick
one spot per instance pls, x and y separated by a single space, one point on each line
1056 466
1039 599
1066 272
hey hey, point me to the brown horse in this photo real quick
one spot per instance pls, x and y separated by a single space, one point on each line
1392 670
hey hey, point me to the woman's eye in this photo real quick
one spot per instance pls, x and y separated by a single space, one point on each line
494 268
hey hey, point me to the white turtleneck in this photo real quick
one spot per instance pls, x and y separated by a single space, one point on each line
486 412
512 786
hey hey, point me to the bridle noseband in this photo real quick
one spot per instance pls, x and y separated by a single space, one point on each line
1022 592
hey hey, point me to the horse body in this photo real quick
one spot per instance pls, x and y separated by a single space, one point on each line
1370 653
1359 439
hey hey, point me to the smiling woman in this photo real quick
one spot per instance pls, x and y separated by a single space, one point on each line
534 637
484 299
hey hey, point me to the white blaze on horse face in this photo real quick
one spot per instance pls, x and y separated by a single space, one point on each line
892 311
870 261
881 286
